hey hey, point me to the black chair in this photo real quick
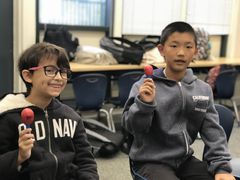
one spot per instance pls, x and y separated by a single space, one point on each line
90 91
225 85
226 119
125 82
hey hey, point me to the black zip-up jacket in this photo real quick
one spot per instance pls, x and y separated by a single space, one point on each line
61 150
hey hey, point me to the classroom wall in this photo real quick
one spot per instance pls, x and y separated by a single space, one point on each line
24 18
24 32
234 35
215 45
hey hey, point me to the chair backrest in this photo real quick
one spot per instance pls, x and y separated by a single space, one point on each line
225 84
226 119
125 82
90 90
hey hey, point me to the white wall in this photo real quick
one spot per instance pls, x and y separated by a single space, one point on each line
117 26
24 34
233 49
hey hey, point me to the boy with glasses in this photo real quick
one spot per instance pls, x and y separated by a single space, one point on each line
166 112
56 146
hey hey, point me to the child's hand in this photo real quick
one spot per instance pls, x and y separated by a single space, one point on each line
147 91
224 176
25 143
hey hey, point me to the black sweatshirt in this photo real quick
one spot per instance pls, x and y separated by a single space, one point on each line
61 150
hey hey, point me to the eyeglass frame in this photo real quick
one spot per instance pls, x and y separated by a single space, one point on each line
57 70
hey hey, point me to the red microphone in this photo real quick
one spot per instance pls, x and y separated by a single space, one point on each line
27 116
148 70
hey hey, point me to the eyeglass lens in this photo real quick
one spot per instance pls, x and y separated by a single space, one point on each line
52 71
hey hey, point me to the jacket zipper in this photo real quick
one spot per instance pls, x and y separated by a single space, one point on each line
49 143
183 105
186 142
183 97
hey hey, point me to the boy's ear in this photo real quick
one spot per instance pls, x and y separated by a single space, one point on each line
27 76
160 49
195 53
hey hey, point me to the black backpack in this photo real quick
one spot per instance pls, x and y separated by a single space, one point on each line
123 50
104 142
63 38
149 42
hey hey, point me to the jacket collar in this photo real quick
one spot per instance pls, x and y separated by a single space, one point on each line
18 101
188 78
13 101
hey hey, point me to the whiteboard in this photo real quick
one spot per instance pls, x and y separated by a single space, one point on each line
149 17
211 15
143 17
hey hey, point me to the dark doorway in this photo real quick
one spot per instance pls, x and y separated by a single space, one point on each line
6 46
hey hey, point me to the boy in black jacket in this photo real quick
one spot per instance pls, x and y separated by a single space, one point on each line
56 146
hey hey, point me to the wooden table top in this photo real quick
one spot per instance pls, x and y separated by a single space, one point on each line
76 67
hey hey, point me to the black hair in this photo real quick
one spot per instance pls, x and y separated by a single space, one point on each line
39 51
178 26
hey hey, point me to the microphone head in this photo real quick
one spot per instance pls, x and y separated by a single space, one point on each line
27 116
148 70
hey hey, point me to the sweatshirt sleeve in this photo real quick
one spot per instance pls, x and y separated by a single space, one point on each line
137 115
217 153
84 159
8 150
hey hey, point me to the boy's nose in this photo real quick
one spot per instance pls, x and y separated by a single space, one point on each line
180 52
58 75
